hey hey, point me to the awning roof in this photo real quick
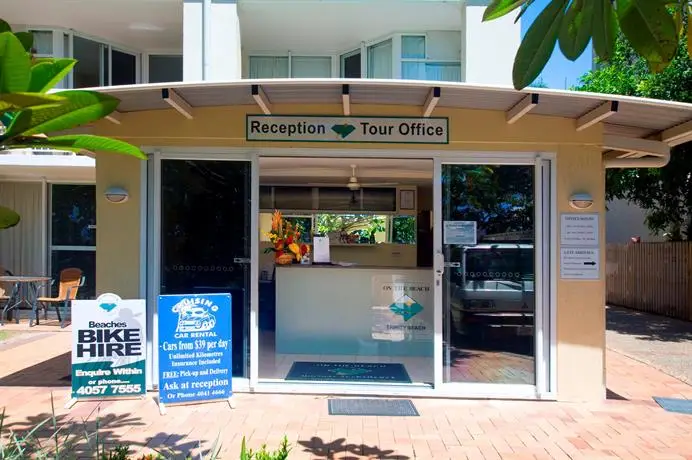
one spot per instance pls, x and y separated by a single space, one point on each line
667 121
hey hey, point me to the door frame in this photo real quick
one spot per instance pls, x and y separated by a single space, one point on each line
545 212
152 251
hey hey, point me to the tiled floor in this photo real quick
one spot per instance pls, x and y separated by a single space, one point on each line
628 426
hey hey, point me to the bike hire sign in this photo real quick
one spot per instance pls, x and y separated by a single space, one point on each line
108 347
195 360
360 130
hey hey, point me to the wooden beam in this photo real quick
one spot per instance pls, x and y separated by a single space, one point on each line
431 101
261 99
177 102
597 115
634 146
521 108
677 134
346 99
114 117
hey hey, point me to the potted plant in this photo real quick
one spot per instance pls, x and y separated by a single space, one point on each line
285 239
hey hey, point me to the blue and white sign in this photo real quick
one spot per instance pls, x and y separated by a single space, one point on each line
194 348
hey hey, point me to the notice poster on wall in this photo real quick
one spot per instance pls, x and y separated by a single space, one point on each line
403 309
195 360
108 348
461 232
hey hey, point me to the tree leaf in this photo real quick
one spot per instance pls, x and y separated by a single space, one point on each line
8 218
80 107
689 30
575 32
16 101
80 142
538 44
4 26
605 28
26 39
15 65
499 8
524 7
650 29
46 74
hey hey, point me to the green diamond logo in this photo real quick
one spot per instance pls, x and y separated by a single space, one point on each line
348 371
406 307
343 130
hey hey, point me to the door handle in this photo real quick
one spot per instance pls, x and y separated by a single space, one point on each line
241 260
439 263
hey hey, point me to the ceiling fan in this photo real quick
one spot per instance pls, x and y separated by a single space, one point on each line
354 184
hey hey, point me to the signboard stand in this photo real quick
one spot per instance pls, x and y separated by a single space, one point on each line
109 342
195 350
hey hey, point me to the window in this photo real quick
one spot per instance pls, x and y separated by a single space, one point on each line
73 233
300 67
165 68
124 68
268 67
89 71
311 67
43 42
434 56
351 65
404 230
380 60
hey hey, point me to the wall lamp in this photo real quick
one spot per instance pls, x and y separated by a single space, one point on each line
116 195
581 201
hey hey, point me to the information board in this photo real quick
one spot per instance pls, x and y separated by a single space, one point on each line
462 232
580 263
195 360
108 347
578 229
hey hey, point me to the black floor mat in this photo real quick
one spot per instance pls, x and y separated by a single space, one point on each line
373 407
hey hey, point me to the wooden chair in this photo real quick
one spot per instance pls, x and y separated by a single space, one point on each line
71 279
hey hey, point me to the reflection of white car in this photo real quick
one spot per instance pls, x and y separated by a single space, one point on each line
196 319
494 285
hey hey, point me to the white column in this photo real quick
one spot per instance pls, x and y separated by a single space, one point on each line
192 40
489 47
218 57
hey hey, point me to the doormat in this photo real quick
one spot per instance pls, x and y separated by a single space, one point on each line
679 406
373 407
349 372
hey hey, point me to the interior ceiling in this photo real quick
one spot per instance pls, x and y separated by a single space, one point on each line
337 171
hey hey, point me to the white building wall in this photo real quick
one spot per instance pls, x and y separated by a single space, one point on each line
624 221
489 47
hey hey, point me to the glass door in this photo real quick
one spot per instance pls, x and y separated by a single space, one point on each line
206 238
486 272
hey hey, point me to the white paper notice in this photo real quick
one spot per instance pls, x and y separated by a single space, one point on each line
579 230
320 250
460 232
580 263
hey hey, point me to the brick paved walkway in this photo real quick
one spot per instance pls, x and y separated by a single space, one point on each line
628 426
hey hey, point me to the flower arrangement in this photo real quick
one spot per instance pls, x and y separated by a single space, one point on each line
286 238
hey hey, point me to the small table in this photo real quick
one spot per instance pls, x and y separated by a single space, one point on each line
27 296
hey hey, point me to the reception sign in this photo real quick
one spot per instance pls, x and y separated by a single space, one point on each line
362 130
194 348
108 347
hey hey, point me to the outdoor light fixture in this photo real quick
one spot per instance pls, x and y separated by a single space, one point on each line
116 194
581 201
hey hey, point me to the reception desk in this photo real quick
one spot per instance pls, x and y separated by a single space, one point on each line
356 311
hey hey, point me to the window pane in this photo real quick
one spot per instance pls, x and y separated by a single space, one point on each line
73 219
350 65
84 260
413 47
338 199
380 60
87 72
404 230
268 67
443 72
292 198
413 70
266 201
43 41
165 69
353 228
379 199
124 68
311 67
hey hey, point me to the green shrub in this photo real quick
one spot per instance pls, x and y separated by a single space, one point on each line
263 454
